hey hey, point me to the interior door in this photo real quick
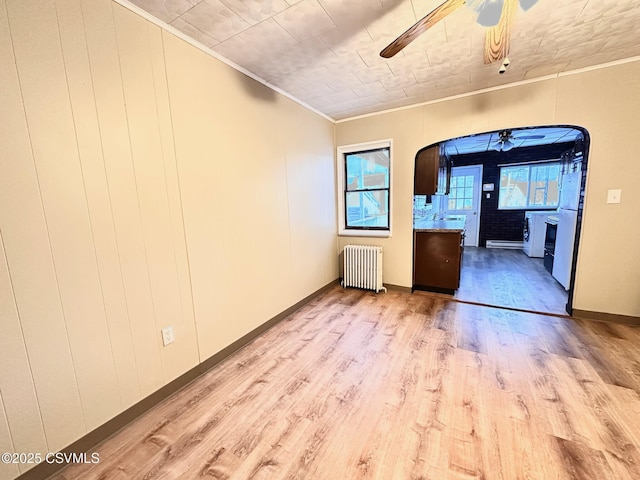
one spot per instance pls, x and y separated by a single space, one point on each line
464 199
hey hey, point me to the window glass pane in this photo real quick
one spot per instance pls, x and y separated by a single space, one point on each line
459 204
468 182
468 204
367 170
544 190
451 204
453 182
468 192
367 209
529 186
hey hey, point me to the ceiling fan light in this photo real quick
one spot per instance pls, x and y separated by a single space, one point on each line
507 145
490 13
527 4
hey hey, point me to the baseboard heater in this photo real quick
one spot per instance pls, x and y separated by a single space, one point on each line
515 245
363 267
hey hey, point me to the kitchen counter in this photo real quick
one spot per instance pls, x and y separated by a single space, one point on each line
450 224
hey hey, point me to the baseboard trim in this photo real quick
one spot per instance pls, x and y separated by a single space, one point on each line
398 288
607 317
117 423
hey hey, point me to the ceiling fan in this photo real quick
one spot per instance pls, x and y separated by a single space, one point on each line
506 138
498 15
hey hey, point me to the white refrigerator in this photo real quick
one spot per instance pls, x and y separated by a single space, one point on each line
567 221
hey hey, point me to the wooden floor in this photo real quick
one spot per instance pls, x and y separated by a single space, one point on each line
511 279
399 386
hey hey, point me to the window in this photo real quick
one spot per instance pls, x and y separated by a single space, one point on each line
364 187
461 193
529 186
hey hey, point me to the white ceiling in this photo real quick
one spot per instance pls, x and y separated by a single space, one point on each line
326 52
522 137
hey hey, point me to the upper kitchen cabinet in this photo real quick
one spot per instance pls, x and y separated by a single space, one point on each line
432 172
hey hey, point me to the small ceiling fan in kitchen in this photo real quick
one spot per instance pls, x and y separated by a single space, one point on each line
506 139
497 15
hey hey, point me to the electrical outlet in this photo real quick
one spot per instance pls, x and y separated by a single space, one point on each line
168 336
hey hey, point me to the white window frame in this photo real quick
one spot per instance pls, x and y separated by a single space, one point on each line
340 168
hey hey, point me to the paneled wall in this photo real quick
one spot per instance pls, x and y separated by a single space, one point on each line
143 184
257 179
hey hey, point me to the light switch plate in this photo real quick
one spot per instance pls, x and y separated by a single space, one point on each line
614 196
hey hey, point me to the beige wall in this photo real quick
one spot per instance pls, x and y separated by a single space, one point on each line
142 184
239 144
605 101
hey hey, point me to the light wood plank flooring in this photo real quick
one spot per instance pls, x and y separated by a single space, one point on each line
356 385
511 279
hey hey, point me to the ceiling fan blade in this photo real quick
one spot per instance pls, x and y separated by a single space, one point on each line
528 137
496 44
426 22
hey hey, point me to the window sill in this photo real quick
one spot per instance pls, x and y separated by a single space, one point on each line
365 233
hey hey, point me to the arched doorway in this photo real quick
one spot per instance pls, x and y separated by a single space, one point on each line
529 214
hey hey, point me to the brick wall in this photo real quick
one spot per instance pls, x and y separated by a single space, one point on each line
504 224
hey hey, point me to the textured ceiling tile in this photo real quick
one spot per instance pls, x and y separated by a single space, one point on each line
353 13
600 58
342 82
604 10
462 80
342 41
371 55
334 98
525 49
309 80
391 96
461 25
327 52
346 63
427 74
398 16
417 90
408 63
215 19
238 51
165 10
361 102
373 74
397 82
546 69
398 103
375 88
305 19
193 32
268 37
255 11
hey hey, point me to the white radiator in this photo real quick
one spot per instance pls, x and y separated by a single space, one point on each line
363 267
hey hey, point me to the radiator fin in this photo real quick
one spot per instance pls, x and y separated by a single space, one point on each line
363 267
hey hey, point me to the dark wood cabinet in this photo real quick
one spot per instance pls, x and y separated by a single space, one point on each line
431 172
437 260
427 169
